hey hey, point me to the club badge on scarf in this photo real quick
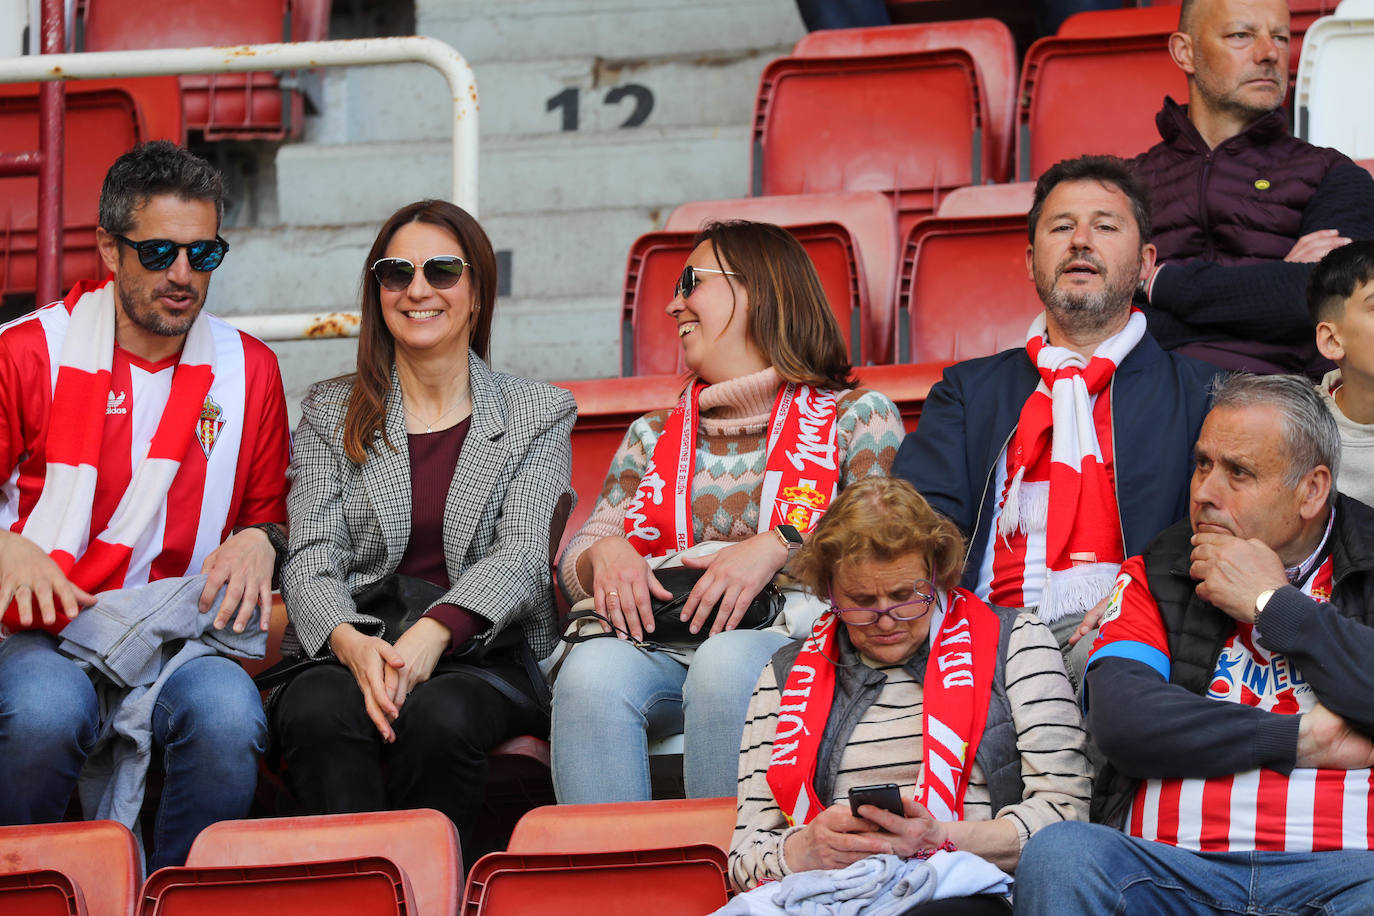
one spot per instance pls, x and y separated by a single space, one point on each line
801 477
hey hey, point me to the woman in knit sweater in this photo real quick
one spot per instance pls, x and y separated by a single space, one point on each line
769 365
902 657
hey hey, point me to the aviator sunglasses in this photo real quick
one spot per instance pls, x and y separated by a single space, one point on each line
441 272
923 596
687 283
159 254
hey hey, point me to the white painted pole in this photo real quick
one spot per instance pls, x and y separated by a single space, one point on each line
301 55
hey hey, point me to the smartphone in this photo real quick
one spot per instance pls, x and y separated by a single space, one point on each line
886 796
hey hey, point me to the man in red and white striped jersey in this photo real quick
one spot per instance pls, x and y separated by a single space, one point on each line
141 439
1230 689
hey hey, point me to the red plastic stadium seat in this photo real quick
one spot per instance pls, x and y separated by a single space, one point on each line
423 843
965 292
648 338
1062 112
1367 165
236 106
988 41
687 881
906 385
989 200
910 125
626 825
1151 20
605 409
866 214
40 893
104 119
360 887
99 861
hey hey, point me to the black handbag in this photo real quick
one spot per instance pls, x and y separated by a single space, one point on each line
669 629
398 601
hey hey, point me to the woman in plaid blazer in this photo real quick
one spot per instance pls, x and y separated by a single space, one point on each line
428 464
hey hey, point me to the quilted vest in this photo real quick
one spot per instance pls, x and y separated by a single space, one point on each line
857 686
1240 203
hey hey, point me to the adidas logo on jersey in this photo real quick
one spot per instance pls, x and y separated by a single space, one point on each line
115 404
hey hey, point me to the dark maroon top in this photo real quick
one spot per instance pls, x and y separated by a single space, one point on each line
433 461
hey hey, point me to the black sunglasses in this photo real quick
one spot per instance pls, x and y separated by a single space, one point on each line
159 254
689 280
442 271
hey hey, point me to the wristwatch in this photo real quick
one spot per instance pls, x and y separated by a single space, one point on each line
791 538
1261 601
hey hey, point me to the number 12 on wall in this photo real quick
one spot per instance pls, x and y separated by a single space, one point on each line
568 101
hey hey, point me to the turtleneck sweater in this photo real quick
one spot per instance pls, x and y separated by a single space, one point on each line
731 456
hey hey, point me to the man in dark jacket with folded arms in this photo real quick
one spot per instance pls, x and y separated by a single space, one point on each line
1230 689
1243 210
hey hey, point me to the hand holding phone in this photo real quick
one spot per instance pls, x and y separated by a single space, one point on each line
886 796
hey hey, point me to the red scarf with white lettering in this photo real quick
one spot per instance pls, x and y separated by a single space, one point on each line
61 518
1076 507
956 692
801 476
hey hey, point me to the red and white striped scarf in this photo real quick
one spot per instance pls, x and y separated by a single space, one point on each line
801 474
954 710
60 520
1076 506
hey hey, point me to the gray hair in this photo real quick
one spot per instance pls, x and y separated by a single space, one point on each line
1310 434
149 169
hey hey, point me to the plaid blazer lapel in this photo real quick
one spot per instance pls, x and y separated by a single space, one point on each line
386 478
479 464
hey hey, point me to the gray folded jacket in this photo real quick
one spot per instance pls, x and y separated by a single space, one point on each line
131 641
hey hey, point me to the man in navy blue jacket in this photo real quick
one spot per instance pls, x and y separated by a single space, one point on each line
1060 459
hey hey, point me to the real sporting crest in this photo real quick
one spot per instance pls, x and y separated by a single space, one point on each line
209 426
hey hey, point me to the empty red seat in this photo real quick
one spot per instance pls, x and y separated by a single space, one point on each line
687 881
910 125
98 860
234 106
423 843
104 118
989 200
868 217
626 825
965 290
1066 111
40 893
648 337
988 41
372 886
605 409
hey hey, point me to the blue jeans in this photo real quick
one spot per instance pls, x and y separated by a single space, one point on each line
208 720
1072 867
610 698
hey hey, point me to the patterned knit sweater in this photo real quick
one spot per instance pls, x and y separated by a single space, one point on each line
886 747
731 454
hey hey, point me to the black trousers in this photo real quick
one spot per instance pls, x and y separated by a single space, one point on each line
337 763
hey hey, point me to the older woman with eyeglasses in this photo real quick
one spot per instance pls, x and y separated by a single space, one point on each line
430 475
771 425
903 674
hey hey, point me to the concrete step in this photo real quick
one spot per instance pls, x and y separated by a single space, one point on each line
549 254
548 339
582 94
533 29
322 185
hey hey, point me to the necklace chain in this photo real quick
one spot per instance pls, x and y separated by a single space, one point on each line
429 426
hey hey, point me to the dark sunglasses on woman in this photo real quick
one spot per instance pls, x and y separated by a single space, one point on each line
159 254
441 272
687 283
